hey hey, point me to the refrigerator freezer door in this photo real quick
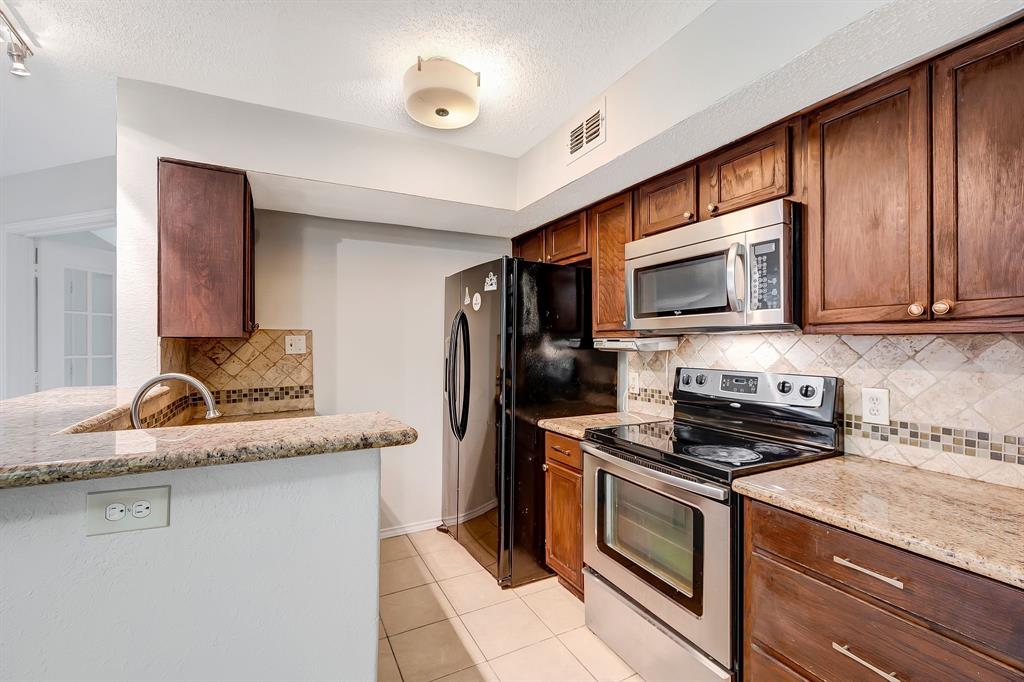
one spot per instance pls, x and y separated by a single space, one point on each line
477 410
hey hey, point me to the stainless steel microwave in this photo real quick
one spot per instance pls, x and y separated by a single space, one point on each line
736 272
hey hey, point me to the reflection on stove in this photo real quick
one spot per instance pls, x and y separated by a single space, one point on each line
721 453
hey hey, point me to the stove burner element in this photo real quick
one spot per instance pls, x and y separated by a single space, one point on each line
720 453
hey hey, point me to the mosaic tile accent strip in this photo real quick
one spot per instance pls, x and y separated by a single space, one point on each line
165 414
968 382
998 447
231 396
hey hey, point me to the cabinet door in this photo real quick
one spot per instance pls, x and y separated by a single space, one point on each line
611 225
205 251
748 173
564 522
667 202
978 191
867 238
567 238
530 246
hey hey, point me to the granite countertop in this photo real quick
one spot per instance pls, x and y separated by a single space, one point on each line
575 427
969 524
33 452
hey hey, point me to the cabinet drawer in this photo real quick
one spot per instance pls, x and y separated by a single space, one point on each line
977 608
564 450
835 636
760 666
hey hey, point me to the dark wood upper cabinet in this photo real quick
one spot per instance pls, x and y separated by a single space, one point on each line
666 202
205 252
867 237
611 226
567 239
530 246
751 172
978 128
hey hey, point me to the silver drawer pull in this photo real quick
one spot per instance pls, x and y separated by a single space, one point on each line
867 571
561 450
844 649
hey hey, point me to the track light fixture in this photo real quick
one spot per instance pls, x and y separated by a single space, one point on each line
17 49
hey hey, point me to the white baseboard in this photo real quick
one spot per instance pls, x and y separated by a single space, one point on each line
392 531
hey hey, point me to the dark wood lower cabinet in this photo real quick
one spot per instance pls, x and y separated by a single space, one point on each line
563 493
824 604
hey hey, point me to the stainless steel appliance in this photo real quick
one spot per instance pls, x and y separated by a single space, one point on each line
737 272
662 528
518 349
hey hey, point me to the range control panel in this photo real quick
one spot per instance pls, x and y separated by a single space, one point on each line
765 275
763 387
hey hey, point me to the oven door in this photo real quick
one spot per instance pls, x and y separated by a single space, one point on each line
663 541
698 286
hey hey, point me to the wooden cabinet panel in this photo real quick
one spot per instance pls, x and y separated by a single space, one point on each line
867 237
745 174
978 119
205 257
564 522
567 239
983 610
563 450
760 666
666 202
530 246
836 636
611 226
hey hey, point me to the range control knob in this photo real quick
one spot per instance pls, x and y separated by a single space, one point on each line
807 391
784 387
701 379
685 380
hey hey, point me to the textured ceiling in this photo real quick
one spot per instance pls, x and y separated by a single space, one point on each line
540 61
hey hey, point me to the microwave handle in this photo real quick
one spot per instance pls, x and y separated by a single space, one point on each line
733 260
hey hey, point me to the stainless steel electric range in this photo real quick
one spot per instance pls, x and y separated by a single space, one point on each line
662 527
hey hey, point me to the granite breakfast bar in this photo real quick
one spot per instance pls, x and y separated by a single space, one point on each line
266 569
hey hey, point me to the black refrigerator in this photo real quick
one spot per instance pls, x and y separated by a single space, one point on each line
518 348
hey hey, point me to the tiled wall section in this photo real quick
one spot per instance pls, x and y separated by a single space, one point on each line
956 401
246 376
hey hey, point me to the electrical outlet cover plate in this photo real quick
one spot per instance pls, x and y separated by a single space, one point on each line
114 511
295 345
875 405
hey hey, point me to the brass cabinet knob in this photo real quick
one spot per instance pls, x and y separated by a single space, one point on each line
712 208
687 215
916 309
543 467
942 307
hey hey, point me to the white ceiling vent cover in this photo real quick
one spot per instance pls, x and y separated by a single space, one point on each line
586 134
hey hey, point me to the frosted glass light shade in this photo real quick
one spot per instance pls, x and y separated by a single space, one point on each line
442 94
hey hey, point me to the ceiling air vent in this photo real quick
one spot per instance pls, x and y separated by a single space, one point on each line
588 133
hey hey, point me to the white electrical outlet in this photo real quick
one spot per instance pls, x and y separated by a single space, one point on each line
295 345
114 511
875 405
634 382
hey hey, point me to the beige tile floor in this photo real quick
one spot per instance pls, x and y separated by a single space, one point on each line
442 617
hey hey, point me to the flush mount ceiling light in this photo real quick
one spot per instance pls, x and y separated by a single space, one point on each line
17 49
441 93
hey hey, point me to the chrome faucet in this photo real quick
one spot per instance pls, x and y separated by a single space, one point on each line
211 406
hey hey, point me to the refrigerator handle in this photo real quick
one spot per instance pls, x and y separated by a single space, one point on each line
464 339
449 378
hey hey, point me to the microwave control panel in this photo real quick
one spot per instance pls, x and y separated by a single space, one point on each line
766 275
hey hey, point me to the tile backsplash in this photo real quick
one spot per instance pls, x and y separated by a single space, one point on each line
956 401
246 376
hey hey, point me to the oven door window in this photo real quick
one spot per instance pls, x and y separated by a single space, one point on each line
658 538
682 287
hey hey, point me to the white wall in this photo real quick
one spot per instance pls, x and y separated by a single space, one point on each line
268 571
17 315
59 191
374 297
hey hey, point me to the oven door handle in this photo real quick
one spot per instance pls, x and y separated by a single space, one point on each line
703 489
734 261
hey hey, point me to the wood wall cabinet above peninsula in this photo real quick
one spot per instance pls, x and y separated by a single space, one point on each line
205 251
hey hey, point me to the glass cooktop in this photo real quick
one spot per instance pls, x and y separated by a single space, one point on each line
711 452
